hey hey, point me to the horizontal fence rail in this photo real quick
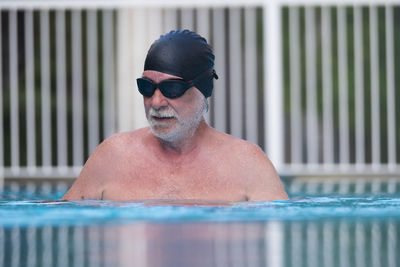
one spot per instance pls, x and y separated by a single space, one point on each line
312 82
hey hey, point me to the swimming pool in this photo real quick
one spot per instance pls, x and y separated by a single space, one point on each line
316 231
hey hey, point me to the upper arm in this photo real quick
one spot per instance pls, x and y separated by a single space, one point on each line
263 182
91 181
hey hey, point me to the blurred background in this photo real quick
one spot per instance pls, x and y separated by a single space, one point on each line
314 83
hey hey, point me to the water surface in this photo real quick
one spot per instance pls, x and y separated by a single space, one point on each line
89 212
317 231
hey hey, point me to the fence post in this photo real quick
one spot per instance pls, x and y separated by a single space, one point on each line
123 67
273 105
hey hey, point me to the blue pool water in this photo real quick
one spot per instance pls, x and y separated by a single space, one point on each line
89 212
304 231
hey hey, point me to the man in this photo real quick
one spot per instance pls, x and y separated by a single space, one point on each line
179 157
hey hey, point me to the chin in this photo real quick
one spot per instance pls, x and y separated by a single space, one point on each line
173 132
165 135
169 134
161 131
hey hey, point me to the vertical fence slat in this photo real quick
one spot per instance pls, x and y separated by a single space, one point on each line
30 93
108 73
203 28
77 94
61 90
235 74
220 86
375 113
312 124
123 75
359 85
390 105
14 89
343 87
273 101
326 35
295 82
45 86
203 23
170 20
155 27
187 20
251 75
93 85
139 54
155 30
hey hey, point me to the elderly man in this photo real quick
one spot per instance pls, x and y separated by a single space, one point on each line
179 157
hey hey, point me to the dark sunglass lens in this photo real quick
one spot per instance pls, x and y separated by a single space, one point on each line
145 87
173 88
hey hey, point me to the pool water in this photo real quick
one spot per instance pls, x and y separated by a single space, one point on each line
318 231
90 212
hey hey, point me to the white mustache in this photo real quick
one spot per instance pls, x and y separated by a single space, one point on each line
162 113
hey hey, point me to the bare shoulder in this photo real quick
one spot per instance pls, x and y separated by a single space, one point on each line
102 165
238 146
123 139
252 164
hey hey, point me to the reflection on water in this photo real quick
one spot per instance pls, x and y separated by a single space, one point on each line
313 232
264 243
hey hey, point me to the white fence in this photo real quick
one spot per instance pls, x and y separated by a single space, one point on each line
312 82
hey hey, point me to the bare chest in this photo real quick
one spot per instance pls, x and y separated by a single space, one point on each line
197 182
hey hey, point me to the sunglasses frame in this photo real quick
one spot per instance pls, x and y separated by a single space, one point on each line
162 86
164 91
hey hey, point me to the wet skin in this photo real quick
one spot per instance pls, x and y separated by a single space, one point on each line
199 163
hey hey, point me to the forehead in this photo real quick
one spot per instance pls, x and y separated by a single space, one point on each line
157 76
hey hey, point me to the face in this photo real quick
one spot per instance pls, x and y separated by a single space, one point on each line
172 119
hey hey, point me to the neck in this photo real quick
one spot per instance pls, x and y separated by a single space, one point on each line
185 144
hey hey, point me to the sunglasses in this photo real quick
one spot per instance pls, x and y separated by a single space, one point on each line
171 88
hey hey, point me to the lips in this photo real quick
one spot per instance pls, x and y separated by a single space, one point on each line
162 118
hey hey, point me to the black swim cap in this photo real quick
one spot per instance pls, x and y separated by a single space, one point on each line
185 54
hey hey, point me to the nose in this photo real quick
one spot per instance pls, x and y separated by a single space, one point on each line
158 100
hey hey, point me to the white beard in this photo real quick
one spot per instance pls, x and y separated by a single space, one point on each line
182 129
